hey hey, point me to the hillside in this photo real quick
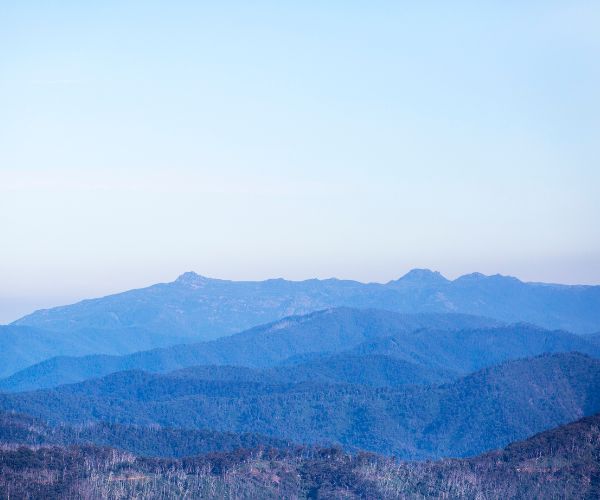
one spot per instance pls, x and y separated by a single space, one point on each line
17 428
467 350
375 370
370 370
560 463
484 410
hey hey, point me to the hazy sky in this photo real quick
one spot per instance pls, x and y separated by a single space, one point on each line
247 140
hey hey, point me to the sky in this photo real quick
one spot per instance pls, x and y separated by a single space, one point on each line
255 139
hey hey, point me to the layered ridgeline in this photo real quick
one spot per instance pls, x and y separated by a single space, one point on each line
484 410
560 463
22 346
266 345
198 308
401 349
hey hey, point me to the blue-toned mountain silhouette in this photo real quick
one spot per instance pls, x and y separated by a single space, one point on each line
196 308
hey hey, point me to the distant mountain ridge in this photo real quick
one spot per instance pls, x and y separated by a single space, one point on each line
204 308
195 308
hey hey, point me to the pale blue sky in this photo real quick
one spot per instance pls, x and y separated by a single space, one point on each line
247 140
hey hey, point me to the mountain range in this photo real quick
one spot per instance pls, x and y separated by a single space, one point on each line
195 308
311 389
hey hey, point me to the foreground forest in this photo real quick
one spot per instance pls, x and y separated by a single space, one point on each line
560 463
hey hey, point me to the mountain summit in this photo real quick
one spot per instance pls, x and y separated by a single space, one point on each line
421 277
192 279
